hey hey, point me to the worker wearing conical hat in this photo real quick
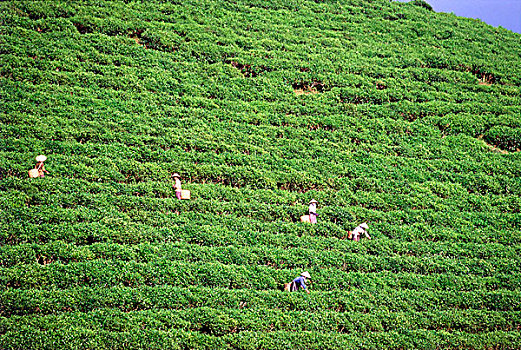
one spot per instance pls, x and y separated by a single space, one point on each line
300 282
357 232
39 165
177 185
313 211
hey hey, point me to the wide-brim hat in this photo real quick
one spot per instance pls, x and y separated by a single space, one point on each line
312 201
364 225
41 158
176 175
305 274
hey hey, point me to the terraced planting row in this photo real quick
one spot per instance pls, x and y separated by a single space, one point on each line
222 322
426 262
112 272
136 227
67 338
39 301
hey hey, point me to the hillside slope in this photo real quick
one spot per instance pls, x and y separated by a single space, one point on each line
384 112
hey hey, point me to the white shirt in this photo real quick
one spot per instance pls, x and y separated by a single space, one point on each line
177 185
357 232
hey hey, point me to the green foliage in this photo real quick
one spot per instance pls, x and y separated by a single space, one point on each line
423 4
385 112
505 137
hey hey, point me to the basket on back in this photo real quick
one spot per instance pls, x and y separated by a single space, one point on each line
34 173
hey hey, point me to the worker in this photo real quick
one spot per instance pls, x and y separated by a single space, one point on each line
300 282
177 185
39 165
313 211
357 232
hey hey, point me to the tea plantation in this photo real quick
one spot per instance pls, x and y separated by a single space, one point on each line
385 112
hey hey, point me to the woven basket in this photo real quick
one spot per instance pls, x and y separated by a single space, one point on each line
185 194
34 173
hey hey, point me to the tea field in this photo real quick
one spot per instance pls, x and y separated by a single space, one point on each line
385 112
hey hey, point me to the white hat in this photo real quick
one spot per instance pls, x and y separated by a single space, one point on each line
176 175
305 274
364 225
313 201
41 158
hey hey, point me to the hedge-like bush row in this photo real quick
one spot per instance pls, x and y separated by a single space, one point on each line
221 322
76 225
183 274
260 255
233 232
220 162
368 193
371 299
80 338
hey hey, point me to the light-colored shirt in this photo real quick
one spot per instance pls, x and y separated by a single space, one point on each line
357 232
313 208
177 184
